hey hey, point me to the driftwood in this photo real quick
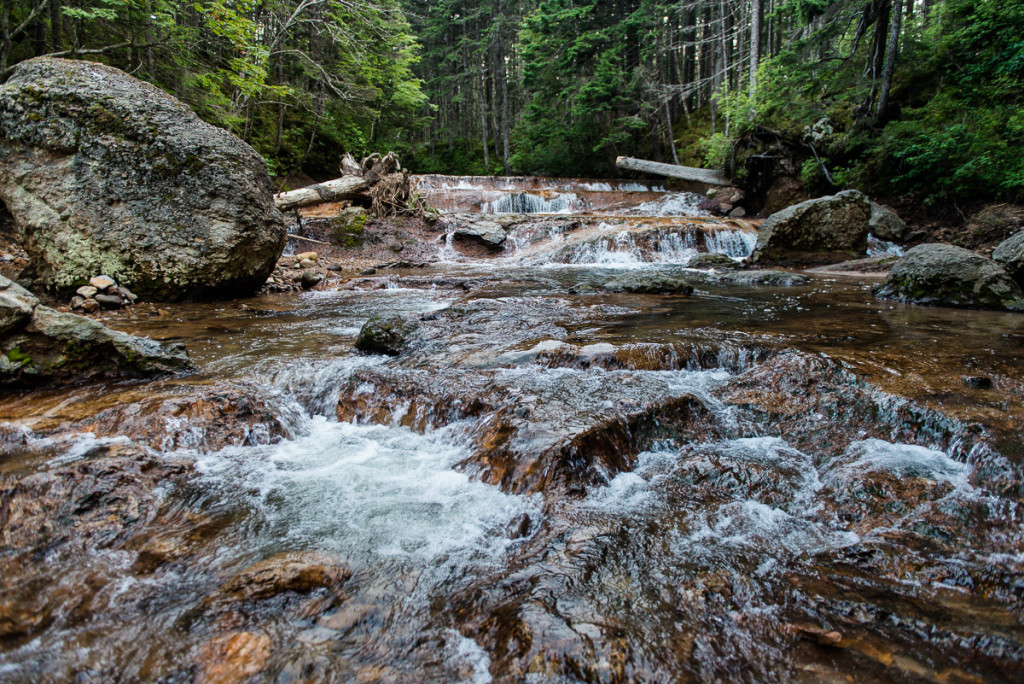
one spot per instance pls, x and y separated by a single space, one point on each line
377 181
709 176
346 187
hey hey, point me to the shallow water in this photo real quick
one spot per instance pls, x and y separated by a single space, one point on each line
553 483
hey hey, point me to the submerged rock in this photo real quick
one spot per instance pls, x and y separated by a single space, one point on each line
944 275
385 335
40 346
713 260
763 277
104 173
1010 255
649 283
300 572
824 230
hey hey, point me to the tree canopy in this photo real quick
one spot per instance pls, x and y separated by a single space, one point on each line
913 96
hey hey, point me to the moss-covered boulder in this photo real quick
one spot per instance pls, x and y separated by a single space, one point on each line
824 230
944 275
106 174
40 346
386 334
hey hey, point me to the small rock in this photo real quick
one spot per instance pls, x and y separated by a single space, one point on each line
385 335
738 212
90 306
233 658
310 279
368 272
299 571
312 256
128 294
978 382
102 282
77 301
86 291
109 301
335 267
307 263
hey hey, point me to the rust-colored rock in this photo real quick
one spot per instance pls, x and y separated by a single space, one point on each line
232 658
300 572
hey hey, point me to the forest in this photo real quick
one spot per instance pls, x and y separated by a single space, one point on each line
915 97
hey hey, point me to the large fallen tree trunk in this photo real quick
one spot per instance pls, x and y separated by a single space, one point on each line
346 187
709 176
355 184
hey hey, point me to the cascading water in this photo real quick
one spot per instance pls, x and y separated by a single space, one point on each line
550 482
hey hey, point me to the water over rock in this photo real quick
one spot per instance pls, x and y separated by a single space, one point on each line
1010 254
106 174
944 275
40 346
824 230
534 430
649 283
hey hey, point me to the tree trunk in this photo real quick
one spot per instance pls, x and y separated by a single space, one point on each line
346 187
756 15
709 176
895 23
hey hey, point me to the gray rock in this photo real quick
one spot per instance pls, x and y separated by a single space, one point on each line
109 301
884 223
824 230
944 275
738 212
1010 254
40 346
762 277
713 260
491 233
86 291
386 334
16 305
649 283
77 302
310 279
105 173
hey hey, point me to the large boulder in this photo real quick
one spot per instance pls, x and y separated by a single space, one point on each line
944 275
106 174
1010 255
825 230
41 346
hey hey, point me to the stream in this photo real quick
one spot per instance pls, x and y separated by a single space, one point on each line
551 483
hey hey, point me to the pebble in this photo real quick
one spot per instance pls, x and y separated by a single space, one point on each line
307 263
86 291
312 256
978 382
90 306
102 282
77 301
110 301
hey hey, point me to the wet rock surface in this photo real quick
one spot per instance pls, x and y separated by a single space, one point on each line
386 335
649 284
106 174
548 481
824 230
944 275
41 346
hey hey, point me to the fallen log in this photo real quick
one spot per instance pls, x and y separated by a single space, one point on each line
347 187
709 176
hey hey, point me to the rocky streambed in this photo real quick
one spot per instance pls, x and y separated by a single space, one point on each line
550 481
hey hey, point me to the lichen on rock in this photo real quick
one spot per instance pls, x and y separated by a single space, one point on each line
104 173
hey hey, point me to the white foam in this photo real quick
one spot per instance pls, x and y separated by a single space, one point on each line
369 491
